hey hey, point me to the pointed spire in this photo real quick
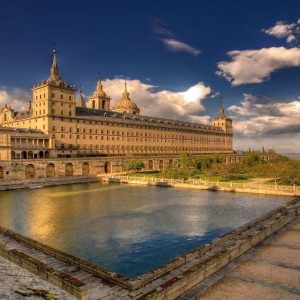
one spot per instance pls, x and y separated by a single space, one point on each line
222 110
99 85
125 94
80 100
54 72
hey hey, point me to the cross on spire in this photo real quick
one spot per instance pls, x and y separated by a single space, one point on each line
222 110
54 72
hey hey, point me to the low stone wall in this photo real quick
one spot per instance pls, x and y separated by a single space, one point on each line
209 247
244 238
206 185
60 279
44 182
103 273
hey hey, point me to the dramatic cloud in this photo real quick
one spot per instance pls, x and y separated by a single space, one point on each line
178 46
290 32
256 66
173 44
267 121
258 117
185 105
16 98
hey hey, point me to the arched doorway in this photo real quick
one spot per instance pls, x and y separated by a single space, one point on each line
13 154
41 154
69 169
161 164
107 167
30 154
170 162
150 165
46 154
1 173
29 171
50 170
85 169
23 154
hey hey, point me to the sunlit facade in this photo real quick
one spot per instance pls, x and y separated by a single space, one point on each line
74 127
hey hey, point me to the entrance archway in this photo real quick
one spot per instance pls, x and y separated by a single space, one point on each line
23 154
107 167
150 165
29 171
161 164
41 154
50 170
69 169
85 169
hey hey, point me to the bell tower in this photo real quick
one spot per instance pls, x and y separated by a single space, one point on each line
223 121
53 97
99 99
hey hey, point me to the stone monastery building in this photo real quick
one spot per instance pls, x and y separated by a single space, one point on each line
57 124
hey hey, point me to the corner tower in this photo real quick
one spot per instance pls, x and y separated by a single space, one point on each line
99 99
53 97
223 121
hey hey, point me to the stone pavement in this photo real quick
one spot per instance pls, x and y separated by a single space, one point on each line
269 271
17 283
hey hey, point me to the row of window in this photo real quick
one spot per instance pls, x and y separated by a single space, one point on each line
61 96
141 148
137 134
118 138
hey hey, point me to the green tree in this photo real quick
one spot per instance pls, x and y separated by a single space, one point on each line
253 158
187 161
134 165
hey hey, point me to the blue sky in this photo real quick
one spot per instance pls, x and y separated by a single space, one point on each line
165 48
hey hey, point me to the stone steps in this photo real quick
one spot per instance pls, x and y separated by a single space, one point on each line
96 288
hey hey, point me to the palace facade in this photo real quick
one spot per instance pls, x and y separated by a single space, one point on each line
56 124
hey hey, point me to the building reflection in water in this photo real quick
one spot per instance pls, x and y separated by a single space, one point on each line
127 229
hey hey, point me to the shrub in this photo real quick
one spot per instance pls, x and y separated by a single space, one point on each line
134 165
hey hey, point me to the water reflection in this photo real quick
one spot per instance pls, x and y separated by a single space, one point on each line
124 228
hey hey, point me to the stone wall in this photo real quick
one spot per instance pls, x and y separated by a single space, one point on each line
27 169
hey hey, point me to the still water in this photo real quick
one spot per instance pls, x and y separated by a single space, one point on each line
127 229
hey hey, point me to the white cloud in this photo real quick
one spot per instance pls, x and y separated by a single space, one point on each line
257 117
173 44
184 105
263 121
281 30
16 98
158 28
178 46
256 66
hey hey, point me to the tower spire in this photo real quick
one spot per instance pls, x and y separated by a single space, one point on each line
222 111
54 72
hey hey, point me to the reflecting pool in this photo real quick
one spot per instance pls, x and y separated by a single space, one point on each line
128 229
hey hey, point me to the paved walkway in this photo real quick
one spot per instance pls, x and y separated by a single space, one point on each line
17 283
269 271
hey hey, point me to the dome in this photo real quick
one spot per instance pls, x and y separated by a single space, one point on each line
99 91
126 104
